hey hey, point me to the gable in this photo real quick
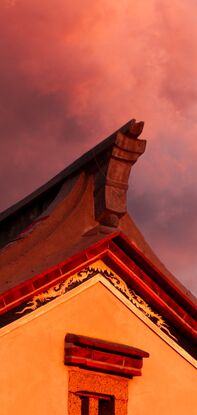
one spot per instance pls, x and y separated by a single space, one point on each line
90 274
32 347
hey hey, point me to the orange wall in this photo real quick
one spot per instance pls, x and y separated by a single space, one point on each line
33 377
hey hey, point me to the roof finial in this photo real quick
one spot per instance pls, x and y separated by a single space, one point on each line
135 128
111 191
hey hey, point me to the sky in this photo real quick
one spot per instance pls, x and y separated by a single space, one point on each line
71 73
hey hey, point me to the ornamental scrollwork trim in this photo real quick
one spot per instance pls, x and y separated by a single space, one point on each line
88 273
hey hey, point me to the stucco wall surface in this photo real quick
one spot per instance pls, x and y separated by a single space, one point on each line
33 377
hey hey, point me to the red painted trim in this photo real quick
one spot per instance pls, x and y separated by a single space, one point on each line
162 279
154 298
124 258
105 345
43 282
34 285
102 367
103 356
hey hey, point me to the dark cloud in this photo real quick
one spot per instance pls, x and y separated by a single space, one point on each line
168 221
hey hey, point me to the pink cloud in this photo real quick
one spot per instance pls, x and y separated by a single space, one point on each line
72 74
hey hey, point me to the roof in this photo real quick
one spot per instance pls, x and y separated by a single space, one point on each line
85 185
53 185
79 209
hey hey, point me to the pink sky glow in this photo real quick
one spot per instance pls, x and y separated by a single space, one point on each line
71 73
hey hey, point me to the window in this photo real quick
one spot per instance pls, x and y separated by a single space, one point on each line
106 406
99 372
96 404
92 393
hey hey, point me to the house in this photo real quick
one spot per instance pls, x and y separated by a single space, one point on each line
92 323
